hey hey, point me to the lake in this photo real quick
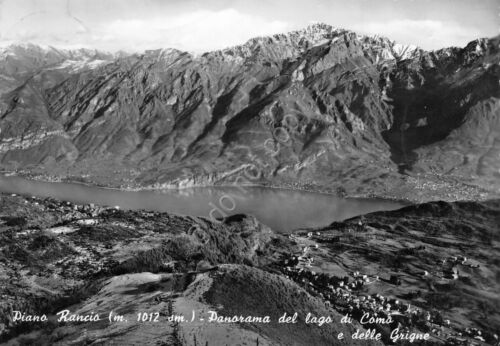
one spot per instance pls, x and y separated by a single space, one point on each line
283 210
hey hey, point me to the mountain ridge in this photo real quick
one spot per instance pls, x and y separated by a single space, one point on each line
363 117
315 33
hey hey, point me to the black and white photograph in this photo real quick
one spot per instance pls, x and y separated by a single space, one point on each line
249 173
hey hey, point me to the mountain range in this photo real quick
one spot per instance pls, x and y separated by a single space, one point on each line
321 108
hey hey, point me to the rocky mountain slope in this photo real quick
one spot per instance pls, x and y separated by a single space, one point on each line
322 108
433 268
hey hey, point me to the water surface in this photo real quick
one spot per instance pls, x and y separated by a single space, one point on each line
283 210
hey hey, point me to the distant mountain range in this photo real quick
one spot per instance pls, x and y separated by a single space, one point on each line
319 108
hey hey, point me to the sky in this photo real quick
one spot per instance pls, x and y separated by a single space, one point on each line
204 25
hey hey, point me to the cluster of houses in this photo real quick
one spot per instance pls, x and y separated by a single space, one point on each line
344 294
71 210
450 270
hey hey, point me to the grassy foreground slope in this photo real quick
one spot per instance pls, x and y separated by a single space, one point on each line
434 268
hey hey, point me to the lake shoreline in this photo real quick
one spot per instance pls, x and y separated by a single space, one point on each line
278 207
299 188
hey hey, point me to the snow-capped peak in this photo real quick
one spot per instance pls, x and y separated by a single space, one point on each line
404 51
76 53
